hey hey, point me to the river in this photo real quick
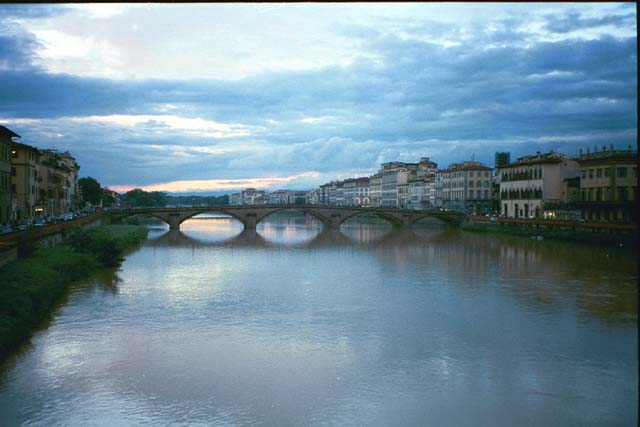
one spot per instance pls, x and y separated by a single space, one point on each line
291 325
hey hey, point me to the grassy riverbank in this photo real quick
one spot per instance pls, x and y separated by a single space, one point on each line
577 236
30 287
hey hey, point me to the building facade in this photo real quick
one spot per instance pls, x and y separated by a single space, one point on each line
609 185
375 190
25 182
6 139
466 187
531 187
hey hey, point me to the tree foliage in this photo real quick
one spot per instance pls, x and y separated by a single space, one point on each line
138 197
91 190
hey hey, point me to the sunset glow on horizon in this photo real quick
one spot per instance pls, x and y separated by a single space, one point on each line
216 184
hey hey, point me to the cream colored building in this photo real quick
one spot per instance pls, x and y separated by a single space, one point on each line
466 187
533 181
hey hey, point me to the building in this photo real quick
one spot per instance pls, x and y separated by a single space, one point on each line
466 187
279 197
339 194
532 185
437 188
501 158
361 192
312 197
58 183
422 191
235 199
416 193
25 182
375 190
6 136
609 185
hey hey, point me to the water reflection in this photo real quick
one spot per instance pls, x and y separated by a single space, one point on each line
365 326
289 228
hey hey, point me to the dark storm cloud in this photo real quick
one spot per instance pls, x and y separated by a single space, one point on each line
411 97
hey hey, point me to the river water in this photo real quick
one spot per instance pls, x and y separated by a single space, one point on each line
291 325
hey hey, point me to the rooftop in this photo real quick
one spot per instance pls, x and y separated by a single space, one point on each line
8 133
538 158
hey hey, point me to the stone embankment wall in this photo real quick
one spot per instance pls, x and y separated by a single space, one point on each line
46 236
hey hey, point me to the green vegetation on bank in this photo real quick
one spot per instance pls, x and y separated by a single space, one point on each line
30 287
577 236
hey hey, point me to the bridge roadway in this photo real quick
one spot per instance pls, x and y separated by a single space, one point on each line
251 215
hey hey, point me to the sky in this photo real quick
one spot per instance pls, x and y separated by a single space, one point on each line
220 97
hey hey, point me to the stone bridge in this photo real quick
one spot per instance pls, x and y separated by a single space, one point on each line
251 215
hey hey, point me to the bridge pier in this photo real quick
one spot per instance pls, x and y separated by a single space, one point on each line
174 221
250 221
334 221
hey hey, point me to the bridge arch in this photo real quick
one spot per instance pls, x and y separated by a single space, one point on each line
216 210
391 219
122 217
324 220
435 219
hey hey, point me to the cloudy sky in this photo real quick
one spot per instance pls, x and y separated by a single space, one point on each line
224 96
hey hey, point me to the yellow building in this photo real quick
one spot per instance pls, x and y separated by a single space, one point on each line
24 181
609 185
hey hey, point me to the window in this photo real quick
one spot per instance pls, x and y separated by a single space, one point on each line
590 194
599 173
13 171
622 172
470 183
598 194
606 172
622 194
486 194
471 173
583 174
590 173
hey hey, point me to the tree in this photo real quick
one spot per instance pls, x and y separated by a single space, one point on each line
90 189
138 197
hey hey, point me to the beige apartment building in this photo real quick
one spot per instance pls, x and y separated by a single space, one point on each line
609 185
24 181
533 181
465 187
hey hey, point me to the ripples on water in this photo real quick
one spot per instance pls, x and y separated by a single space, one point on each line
293 325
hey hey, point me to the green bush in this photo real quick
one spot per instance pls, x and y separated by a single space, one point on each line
30 287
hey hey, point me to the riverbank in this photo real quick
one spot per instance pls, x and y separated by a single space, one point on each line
626 239
31 286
